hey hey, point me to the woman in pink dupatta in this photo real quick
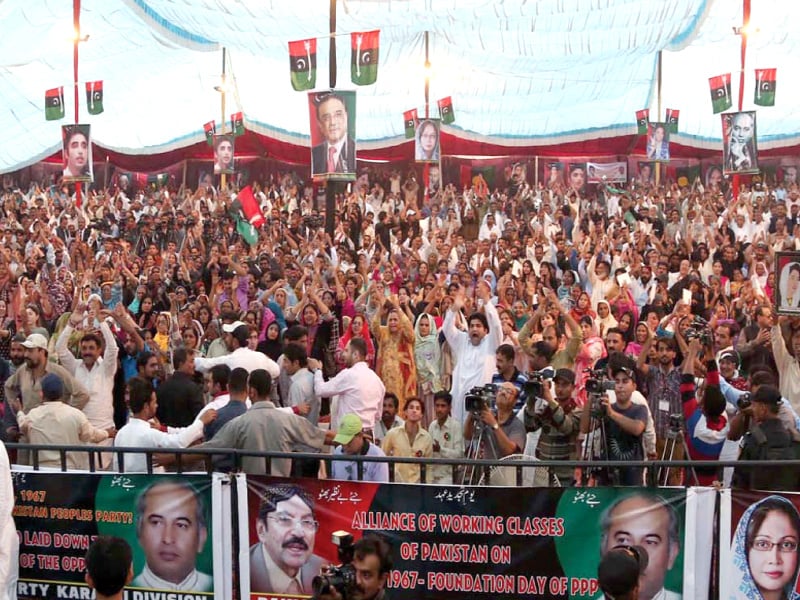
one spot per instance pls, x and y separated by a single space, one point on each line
592 350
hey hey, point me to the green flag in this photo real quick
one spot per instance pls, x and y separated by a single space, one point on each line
247 231
54 104
303 64
94 97
364 57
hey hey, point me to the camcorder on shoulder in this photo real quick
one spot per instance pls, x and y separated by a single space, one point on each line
743 402
480 398
341 577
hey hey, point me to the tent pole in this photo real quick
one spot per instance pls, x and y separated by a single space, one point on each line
76 25
223 91
536 171
330 187
658 108
427 78
183 181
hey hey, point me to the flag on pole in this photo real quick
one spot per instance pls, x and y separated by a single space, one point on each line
303 64
642 120
410 117
446 110
247 203
210 128
94 97
237 124
765 87
247 231
364 56
672 119
721 92
54 104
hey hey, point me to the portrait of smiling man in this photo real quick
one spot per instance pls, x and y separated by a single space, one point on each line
337 152
283 561
171 529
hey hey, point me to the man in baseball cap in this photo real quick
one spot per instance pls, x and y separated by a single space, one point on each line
353 443
559 418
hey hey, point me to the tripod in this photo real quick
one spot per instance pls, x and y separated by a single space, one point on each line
479 435
674 433
597 437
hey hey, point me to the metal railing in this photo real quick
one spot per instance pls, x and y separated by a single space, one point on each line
185 460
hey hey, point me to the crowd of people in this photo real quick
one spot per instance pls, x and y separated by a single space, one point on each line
564 323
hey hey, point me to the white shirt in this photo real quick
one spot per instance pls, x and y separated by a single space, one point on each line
451 445
360 391
250 360
194 581
99 381
475 365
138 434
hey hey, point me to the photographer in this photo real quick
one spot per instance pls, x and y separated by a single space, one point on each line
767 438
559 419
625 423
504 433
372 563
706 422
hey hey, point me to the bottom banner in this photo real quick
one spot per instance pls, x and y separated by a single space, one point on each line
166 520
457 543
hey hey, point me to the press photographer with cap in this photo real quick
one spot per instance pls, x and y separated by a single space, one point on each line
559 418
767 438
620 570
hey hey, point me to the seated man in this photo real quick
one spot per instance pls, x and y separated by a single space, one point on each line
353 443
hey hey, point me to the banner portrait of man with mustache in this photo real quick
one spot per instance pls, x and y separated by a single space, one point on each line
282 562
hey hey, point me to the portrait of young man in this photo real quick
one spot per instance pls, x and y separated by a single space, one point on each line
223 154
333 138
77 152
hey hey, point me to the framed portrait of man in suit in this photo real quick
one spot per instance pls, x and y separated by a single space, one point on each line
787 280
332 115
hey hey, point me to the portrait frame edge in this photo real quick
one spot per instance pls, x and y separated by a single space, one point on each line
788 257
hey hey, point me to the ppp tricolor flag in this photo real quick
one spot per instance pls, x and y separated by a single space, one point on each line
364 56
720 92
765 87
94 97
303 64
210 129
410 118
642 120
446 110
237 124
54 104
247 205
672 119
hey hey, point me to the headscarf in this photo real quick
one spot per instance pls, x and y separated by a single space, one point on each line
427 354
604 324
492 280
743 587
365 335
272 348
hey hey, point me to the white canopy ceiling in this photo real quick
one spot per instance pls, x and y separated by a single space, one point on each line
520 72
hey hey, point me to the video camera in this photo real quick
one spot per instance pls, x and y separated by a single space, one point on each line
699 329
743 402
480 397
597 384
340 577
534 387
